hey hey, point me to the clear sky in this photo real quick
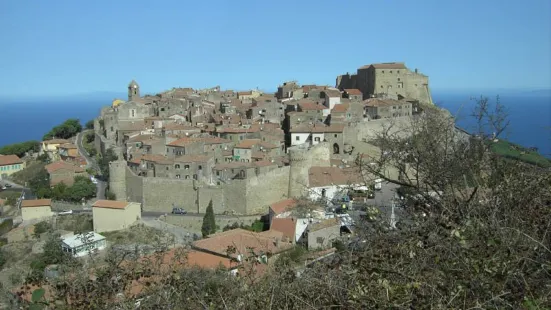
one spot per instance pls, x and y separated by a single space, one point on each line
63 47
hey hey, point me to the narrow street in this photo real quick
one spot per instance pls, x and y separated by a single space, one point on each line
91 163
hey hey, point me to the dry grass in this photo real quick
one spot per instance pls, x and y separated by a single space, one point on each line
138 234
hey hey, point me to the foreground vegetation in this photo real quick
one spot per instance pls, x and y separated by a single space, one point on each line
482 244
20 149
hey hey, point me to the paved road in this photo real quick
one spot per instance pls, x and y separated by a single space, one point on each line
91 162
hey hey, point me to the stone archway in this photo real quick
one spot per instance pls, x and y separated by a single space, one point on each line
336 148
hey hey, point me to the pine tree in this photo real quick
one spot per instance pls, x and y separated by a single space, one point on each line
209 222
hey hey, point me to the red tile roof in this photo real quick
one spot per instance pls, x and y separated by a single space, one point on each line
287 226
283 205
10 160
36 203
110 204
62 165
353 91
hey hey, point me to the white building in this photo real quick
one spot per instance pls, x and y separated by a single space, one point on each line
328 182
83 244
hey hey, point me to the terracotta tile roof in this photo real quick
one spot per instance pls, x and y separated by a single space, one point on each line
67 146
334 128
341 108
247 143
287 226
327 176
386 65
283 205
10 160
242 240
36 203
324 224
309 105
176 126
307 88
353 91
244 93
332 93
136 160
192 159
110 204
377 102
61 165
157 158
56 141
190 140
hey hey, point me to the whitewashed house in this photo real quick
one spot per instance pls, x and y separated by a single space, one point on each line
83 244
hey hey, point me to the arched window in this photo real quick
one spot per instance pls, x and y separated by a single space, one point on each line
200 167
336 148
177 176
177 166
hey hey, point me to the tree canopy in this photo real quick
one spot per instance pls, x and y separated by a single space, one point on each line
209 221
89 124
104 161
20 149
66 130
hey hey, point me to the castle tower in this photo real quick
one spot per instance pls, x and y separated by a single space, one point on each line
302 158
117 179
133 91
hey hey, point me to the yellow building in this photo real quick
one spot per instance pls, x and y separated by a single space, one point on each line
50 147
116 103
109 215
36 209
10 164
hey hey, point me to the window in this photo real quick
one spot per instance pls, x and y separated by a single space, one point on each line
195 177
383 71
166 168
336 135
381 86
133 113
177 176
390 71
317 139
200 167
297 138
177 166
319 240
398 73
217 173
186 177
186 167
398 78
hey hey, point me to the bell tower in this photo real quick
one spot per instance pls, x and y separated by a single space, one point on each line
133 91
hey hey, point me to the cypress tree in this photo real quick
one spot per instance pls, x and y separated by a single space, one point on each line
209 222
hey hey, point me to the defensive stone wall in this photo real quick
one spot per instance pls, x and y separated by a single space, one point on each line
366 131
250 196
266 189
193 223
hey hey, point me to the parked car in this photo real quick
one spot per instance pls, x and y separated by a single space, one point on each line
178 211
65 212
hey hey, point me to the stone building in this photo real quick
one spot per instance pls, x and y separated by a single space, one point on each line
353 94
387 108
321 235
64 172
286 89
391 79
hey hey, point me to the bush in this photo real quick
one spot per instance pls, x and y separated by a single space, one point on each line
6 226
20 149
66 130
41 228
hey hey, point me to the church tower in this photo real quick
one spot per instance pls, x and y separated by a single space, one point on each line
133 91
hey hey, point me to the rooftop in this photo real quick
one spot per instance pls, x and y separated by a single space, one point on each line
10 160
28 203
75 241
110 204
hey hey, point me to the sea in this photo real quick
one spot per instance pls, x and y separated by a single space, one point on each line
529 114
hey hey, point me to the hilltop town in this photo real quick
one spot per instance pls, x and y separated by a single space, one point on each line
246 150
246 187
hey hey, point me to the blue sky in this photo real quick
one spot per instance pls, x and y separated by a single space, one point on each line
64 47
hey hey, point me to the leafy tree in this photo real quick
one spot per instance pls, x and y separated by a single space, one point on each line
89 124
20 149
209 221
59 191
3 258
109 195
104 161
40 183
66 130
82 188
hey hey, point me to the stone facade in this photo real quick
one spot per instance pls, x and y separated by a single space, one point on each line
391 79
